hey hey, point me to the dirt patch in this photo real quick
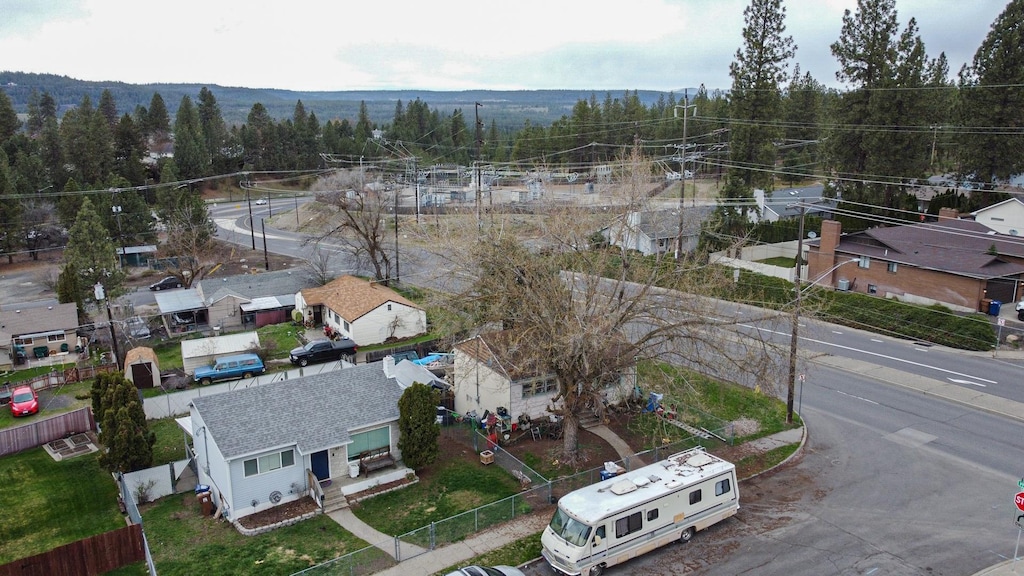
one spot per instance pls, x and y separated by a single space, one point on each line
279 513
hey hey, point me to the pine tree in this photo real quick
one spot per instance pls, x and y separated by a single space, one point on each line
992 109
158 120
69 289
190 153
124 431
92 253
214 131
417 424
9 123
11 212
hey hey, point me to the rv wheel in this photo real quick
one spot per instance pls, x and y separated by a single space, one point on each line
596 570
686 536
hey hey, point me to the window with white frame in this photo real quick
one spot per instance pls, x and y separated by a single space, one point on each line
865 262
269 462
539 387
891 267
23 341
56 337
345 325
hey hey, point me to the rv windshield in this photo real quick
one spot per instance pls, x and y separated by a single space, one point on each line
572 531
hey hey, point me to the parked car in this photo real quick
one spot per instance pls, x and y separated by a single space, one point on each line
165 284
230 368
322 351
487 571
136 327
24 401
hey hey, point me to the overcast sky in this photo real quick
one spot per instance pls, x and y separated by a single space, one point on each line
439 44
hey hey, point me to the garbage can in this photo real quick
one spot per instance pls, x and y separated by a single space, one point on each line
606 474
985 302
206 503
993 307
200 488
353 469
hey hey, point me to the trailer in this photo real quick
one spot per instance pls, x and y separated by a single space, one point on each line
609 522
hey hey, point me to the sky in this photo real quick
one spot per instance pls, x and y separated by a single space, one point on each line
331 45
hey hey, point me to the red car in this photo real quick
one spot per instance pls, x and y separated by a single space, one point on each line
24 401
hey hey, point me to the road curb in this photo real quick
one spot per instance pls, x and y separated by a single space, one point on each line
799 450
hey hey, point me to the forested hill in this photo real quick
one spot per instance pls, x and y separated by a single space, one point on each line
508 109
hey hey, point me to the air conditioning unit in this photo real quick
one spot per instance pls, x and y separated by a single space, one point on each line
843 285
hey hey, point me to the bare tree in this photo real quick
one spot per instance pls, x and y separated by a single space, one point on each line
589 315
365 210
319 266
188 248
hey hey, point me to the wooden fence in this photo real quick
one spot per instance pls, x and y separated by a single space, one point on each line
87 557
13 440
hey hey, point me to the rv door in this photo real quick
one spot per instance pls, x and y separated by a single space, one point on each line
599 545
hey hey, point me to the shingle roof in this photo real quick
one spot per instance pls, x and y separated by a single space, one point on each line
657 224
502 352
249 286
141 354
353 297
15 321
314 413
960 247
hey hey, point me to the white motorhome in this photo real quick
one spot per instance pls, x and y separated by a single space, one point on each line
609 522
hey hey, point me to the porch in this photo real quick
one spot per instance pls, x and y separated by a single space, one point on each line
338 491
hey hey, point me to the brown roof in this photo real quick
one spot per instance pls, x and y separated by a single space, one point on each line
16 322
353 297
961 247
502 351
141 354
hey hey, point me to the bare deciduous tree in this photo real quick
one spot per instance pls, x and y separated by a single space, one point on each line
365 210
189 242
588 315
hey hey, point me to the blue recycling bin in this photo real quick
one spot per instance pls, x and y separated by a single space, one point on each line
993 307
201 488
606 474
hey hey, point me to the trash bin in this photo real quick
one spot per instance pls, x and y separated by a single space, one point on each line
993 307
985 302
206 503
353 469
605 474
200 488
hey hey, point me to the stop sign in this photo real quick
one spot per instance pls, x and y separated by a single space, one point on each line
1019 501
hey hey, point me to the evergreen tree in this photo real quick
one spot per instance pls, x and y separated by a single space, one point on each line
214 130
124 431
417 424
158 120
363 129
129 150
9 123
92 253
87 142
34 124
11 211
258 138
69 289
107 107
190 153
993 101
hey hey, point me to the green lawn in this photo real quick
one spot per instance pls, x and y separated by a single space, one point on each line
185 542
170 442
45 504
456 486
78 394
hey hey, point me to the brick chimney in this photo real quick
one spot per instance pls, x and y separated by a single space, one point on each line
948 214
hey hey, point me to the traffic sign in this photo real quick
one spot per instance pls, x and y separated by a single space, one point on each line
1019 501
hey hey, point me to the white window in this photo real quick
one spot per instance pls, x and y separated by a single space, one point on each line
891 267
865 262
23 341
268 463
56 337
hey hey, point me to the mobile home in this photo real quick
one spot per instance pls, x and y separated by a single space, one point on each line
609 522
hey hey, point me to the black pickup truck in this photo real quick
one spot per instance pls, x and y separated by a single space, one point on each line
322 351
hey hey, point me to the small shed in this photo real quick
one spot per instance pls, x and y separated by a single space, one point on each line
141 367
202 351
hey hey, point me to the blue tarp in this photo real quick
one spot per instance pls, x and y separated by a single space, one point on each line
428 359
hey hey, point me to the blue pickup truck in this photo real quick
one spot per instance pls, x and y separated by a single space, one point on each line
230 368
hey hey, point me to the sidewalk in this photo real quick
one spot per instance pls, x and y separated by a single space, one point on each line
1006 568
493 538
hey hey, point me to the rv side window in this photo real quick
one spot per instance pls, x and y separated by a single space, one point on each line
652 514
694 496
628 525
722 487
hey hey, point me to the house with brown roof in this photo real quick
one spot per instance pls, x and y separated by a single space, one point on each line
956 262
37 329
362 310
495 369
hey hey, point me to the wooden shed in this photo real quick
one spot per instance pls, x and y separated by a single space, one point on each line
141 367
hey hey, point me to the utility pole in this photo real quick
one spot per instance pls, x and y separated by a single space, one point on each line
416 189
682 168
476 165
790 391
266 257
397 274
100 294
252 225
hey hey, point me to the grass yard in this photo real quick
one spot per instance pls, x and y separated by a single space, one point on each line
455 486
69 397
170 442
45 504
513 554
184 542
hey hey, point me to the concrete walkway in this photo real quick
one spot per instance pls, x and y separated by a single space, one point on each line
347 520
621 448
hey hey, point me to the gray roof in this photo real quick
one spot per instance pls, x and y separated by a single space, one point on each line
783 201
665 223
313 413
179 300
249 286
14 321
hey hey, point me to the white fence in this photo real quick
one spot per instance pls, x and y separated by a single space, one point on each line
177 403
765 269
156 482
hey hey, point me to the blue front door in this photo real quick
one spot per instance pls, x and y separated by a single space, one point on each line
321 465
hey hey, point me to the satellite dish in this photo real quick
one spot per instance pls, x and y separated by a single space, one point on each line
812 235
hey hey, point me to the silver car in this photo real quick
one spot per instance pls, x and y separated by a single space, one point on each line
487 571
136 327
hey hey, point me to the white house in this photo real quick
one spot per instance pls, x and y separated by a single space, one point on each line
1006 217
786 203
35 330
364 311
262 446
492 370
202 351
657 231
